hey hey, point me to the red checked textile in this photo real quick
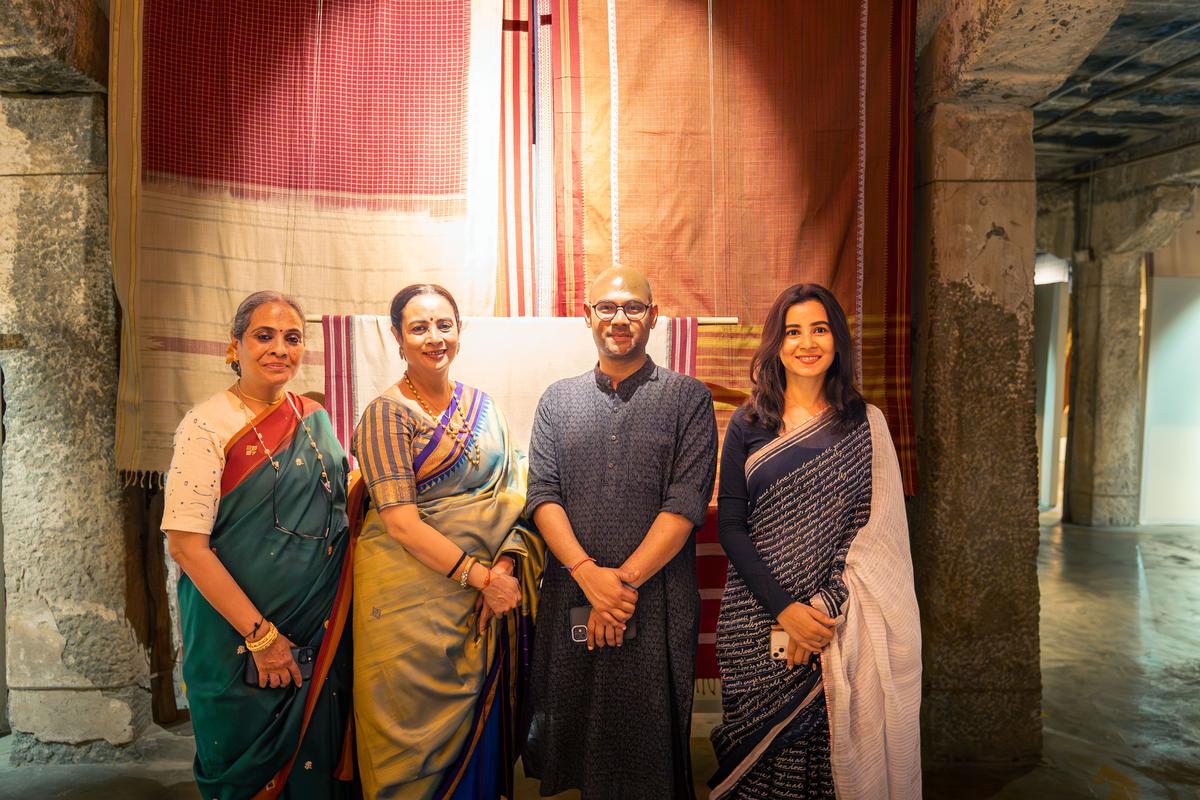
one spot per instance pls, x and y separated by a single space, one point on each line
334 151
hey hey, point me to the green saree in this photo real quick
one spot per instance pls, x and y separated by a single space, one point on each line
268 743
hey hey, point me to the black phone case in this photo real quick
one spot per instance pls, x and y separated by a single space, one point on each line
579 620
305 658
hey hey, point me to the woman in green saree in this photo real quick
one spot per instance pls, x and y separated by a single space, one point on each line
440 562
255 515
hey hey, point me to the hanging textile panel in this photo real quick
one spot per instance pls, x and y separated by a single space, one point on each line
730 149
333 151
517 283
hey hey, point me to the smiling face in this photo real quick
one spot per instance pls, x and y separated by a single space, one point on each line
808 346
428 336
270 350
621 338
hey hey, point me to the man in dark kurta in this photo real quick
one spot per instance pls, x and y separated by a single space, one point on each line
621 470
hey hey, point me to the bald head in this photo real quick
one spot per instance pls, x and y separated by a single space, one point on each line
620 279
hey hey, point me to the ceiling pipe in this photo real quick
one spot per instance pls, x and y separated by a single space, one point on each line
1109 70
1137 86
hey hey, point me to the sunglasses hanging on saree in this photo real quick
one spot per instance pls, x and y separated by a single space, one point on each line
278 468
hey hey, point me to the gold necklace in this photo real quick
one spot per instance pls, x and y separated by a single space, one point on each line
472 447
244 397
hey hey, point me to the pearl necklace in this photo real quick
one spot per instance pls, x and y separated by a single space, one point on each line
457 431
307 432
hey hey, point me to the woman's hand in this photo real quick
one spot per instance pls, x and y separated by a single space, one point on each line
806 627
502 594
276 667
797 654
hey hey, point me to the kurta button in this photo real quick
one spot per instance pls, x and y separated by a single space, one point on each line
612 438
611 465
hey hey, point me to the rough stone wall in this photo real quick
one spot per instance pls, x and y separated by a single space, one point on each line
974 523
78 678
53 46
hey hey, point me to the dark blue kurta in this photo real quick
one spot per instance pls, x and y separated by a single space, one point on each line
615 722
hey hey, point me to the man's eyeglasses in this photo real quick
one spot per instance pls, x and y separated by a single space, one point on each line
634 309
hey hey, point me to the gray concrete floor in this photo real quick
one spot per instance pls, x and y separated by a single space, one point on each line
1120 670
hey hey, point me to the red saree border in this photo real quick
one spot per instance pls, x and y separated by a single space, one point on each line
338 616
277 425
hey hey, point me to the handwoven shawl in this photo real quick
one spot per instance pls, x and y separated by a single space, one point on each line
872 668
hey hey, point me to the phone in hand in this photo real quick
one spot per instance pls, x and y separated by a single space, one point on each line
579 623
779 643
305 657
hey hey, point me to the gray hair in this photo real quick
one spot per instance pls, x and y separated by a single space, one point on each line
241 319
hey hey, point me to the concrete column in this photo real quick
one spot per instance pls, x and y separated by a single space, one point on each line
974 521
1104 444
78 678
1104 439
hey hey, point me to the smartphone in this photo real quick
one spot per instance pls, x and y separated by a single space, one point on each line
579 621
305 658
779 643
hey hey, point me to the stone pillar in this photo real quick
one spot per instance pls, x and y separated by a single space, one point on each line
974 521
77 676
1104 440
78 679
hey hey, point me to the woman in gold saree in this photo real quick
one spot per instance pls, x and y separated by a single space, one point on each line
444 574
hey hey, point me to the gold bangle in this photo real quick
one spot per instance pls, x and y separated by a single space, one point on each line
264 641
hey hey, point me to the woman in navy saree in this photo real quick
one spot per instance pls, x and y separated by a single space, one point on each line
812 519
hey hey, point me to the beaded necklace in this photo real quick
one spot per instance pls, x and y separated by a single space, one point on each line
455 430
307 432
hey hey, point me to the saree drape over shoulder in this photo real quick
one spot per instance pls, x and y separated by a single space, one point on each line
827 519
267 743
434 701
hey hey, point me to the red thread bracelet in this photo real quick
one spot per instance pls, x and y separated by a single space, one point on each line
580 563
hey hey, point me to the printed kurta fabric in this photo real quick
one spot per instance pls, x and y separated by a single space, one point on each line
267 743
336 152
613 460
754 146
435 704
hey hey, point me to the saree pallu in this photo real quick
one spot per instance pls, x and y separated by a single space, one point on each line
268 743
435 701
828 518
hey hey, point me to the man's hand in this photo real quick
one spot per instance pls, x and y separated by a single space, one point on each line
607 593
601 633
807 627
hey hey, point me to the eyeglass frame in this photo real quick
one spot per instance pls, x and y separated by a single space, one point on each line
275 511
619 308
